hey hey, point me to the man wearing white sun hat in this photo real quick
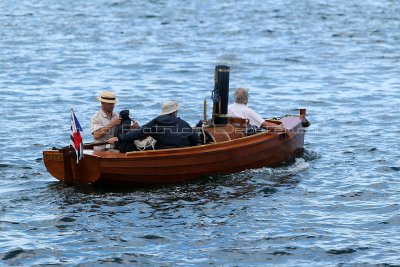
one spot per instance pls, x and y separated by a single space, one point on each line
103 123
168 130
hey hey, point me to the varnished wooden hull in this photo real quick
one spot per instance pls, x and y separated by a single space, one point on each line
180 164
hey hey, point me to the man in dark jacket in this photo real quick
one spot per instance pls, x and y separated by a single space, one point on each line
167 129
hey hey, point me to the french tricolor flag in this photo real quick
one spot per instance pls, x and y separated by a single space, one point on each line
76 138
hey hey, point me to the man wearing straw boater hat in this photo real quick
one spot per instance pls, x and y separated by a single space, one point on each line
168 130
103 123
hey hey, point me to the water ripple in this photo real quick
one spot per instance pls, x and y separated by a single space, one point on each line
336 205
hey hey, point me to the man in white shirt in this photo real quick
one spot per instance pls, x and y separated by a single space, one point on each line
239 109
103 123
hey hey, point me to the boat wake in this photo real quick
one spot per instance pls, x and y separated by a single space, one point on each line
299 165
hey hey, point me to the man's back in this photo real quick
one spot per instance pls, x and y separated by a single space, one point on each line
169 131
243 111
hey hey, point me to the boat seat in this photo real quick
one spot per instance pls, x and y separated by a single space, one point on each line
238 122
223 133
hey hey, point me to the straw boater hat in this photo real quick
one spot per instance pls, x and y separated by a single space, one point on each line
107 97
169 106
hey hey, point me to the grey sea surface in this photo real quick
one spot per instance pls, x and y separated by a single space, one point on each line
337 205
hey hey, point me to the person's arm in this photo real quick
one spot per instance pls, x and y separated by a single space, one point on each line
99 133
261 123
193 139
268 125
255 119
133 134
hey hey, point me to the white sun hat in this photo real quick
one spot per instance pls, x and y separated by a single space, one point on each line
169 106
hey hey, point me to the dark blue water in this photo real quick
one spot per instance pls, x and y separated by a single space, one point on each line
339 204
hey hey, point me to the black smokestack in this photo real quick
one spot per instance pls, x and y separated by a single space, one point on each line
221 94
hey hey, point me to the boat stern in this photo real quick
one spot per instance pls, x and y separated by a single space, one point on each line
61 164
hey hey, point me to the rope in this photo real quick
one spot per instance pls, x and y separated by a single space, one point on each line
204 135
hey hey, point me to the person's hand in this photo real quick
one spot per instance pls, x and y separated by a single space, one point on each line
112 140
135 125
115 122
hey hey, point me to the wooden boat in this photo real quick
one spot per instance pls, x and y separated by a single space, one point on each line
229 149
230 152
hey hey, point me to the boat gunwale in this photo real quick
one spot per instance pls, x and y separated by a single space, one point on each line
184 151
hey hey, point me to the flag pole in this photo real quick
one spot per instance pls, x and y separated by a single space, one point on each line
76 138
